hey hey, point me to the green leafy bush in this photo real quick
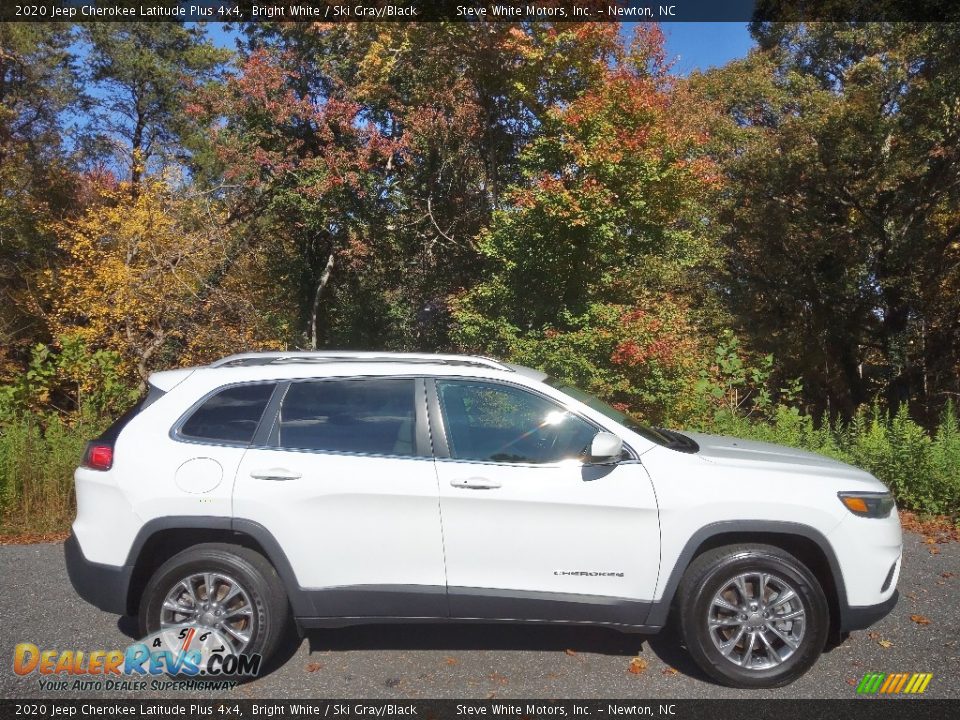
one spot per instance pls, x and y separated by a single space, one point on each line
736 396
921 469
67 396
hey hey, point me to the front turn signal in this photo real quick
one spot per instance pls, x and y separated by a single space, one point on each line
868 504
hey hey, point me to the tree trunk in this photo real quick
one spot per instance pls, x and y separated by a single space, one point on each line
137 162
314 311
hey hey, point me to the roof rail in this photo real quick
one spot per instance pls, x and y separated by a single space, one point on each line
253 359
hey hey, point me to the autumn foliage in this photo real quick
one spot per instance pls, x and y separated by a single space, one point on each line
135 281
768 248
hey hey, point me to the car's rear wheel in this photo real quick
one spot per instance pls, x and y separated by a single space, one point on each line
752 615
227 588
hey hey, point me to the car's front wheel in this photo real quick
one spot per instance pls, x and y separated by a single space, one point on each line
227 588
752 615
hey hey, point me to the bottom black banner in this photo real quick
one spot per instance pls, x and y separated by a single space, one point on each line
754 708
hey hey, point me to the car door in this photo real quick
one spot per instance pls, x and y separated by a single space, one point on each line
343 479
530 529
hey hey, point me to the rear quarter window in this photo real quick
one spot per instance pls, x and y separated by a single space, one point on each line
230 415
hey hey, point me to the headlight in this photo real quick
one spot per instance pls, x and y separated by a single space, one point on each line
868 504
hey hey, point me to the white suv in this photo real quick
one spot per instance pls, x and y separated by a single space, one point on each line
345 488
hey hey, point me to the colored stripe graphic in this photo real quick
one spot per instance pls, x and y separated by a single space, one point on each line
894 683
900 683
870 683
921 682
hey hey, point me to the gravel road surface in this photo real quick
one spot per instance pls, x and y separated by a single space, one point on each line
38 605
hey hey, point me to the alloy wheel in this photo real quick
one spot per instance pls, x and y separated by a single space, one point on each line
756 620
211 600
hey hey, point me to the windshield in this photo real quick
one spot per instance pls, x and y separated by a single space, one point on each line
660 436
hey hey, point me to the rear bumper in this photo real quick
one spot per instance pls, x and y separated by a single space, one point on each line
104 586
863 616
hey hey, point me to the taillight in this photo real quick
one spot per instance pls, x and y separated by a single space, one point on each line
99 456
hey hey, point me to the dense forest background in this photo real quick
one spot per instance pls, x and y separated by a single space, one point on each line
771 248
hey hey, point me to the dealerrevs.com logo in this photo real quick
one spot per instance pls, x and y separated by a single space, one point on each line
176 658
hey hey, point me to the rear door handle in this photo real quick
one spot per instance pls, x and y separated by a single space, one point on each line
275 474
475 483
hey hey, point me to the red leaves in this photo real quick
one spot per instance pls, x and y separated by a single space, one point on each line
652 340
630 353
279 132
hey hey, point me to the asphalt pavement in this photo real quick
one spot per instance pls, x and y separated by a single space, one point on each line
37 605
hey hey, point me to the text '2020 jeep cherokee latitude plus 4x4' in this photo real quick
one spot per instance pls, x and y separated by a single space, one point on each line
344 488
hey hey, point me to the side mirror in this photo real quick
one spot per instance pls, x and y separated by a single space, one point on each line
605 449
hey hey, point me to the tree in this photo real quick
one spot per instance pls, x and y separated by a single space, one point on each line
38 185
305 171
841 214
144 72
432 132
135 281
605 227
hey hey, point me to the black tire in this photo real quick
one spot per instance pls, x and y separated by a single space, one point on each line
715 570
271 613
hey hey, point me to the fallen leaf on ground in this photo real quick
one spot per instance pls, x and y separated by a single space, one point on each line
947 574
934 550
451 661
314 666
884 644
941 527
851 681
498 678
570 652
920 619
873 635
32 538
638 666
669 671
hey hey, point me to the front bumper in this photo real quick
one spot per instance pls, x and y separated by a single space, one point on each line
863 616
104 586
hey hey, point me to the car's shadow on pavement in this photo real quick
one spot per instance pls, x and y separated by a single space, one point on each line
129 625
470 636
666 645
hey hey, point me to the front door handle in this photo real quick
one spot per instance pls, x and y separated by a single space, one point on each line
475 483
275 474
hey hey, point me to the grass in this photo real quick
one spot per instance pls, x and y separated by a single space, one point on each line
37 460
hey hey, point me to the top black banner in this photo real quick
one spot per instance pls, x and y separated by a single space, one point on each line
481 10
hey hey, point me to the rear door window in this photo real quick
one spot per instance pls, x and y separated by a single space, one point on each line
230 415
371 416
